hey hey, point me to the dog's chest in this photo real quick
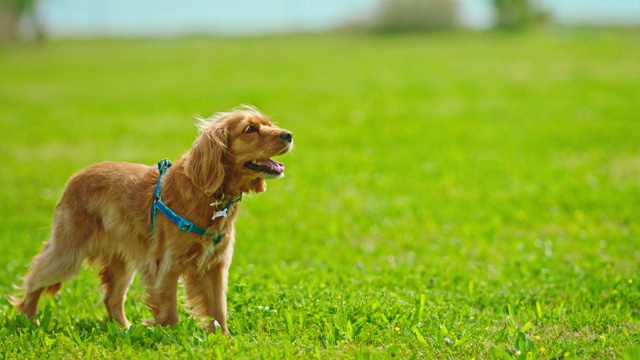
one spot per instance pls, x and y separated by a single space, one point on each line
210 256
212 253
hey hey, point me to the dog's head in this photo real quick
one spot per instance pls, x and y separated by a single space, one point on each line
237 147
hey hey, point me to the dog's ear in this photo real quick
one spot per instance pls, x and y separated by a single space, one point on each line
259 185
204 166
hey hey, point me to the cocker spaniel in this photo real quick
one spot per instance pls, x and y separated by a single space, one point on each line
166 222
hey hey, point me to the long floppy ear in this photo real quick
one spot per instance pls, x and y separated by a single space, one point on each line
204 165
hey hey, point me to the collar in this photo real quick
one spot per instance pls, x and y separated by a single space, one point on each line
182 223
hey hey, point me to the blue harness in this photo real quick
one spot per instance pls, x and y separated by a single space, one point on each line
183 224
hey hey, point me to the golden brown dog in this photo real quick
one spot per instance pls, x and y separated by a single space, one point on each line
105 215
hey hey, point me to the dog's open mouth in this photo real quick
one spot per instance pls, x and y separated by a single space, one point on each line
268 167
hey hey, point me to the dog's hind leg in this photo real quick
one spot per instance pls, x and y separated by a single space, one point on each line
47 272
116 277
59 260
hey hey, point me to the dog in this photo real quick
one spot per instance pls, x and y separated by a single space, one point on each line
168 222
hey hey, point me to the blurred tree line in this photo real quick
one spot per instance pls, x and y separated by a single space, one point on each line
517 14
18 17
415 15
13 14
421 15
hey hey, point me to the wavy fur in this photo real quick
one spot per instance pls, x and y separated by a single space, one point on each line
104 216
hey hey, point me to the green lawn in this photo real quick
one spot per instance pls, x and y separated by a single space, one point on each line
450 195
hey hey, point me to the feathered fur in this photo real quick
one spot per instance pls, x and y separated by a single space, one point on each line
104 216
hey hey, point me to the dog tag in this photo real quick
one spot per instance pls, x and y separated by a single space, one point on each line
221 213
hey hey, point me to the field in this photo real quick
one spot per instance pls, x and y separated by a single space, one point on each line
450 195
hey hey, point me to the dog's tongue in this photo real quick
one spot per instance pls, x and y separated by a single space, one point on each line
273 165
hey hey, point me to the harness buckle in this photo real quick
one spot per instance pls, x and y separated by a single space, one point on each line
185 225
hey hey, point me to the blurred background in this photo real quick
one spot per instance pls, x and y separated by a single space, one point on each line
475 153
36 19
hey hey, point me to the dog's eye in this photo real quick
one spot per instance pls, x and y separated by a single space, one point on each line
250 129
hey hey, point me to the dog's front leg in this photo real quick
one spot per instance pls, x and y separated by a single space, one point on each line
219 278
162 299
206 294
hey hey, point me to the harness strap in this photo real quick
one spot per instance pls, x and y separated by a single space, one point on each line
182 223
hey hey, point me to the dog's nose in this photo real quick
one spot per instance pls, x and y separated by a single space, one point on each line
286 136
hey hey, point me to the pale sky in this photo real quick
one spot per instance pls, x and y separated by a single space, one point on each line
168 17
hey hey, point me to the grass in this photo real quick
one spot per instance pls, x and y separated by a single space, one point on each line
450 195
